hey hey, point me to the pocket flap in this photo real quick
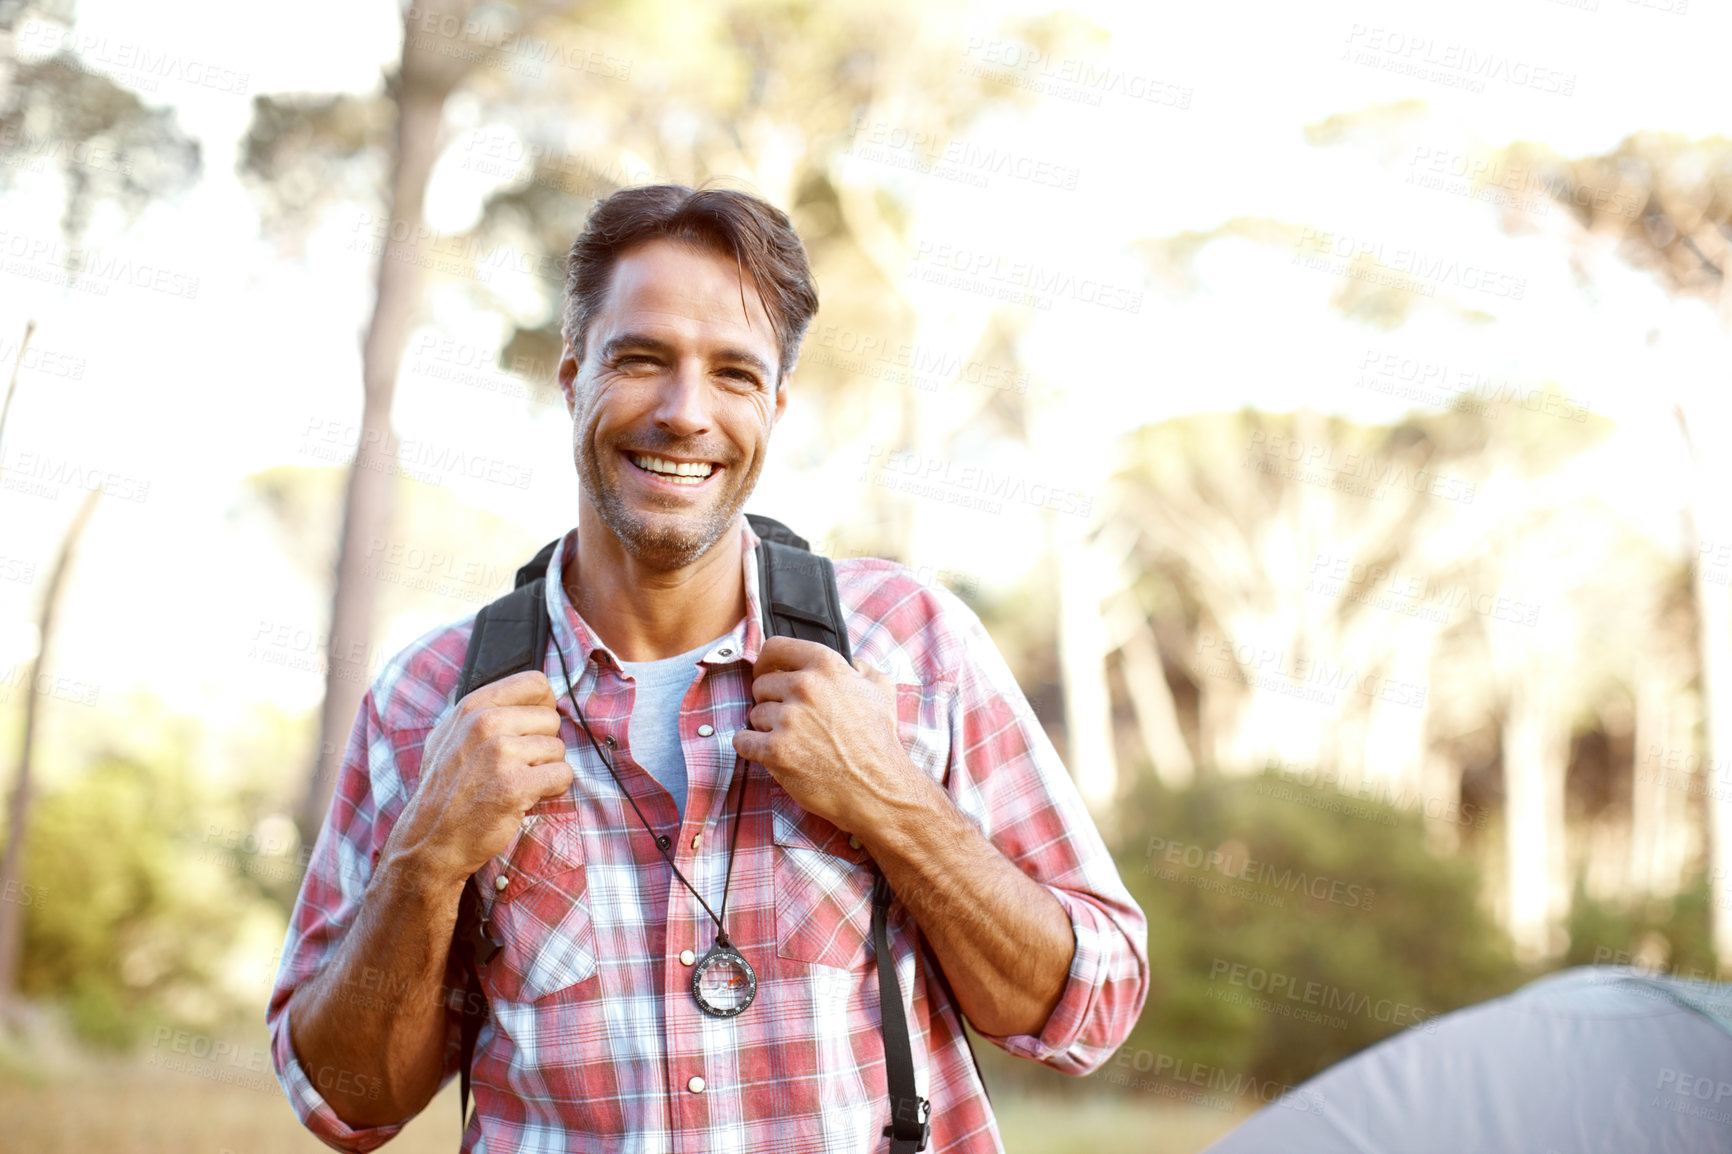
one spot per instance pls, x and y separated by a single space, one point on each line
793 826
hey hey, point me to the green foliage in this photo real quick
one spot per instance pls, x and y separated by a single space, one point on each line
1272 905
1675 935
128 919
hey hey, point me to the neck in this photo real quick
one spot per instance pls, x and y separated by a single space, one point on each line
646 614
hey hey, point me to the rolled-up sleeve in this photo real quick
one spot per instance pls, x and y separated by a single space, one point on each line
1005 774
338 869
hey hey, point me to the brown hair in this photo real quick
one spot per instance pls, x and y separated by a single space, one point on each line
757 234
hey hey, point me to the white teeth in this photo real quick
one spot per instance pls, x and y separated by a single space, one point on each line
687 474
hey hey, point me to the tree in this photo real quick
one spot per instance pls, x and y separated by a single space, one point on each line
109 147
1664 204
444 43
18 808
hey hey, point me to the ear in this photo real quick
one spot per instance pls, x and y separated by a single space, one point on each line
568 363
781 399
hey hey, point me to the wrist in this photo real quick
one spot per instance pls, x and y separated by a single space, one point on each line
422 867
905 806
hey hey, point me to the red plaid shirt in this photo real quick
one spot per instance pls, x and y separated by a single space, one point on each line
594 1041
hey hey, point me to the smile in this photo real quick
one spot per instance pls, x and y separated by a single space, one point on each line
688 474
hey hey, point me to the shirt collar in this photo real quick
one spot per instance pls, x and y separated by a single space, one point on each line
575 639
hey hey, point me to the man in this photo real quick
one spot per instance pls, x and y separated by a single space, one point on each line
774 774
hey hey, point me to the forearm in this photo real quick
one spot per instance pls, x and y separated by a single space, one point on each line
1004 940
374 1018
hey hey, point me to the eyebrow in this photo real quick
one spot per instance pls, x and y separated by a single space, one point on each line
614 346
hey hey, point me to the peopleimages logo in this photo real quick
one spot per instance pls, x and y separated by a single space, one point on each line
1335 252
1309 678
1451 64
1239 866
1017 281
1324 997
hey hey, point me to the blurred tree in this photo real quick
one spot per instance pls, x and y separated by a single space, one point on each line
1664 204
18 807
289 146
1320 567
110 148
107 145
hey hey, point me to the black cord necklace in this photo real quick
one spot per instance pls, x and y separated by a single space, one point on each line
723 982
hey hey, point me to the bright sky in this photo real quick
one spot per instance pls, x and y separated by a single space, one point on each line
187 396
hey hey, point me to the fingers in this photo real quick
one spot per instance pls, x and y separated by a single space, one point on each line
774 679
752 745
530 687
772 686
517 720
551 775
539 749
778 653
875 675
765 715
534 764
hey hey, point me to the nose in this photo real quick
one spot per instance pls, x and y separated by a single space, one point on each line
682 407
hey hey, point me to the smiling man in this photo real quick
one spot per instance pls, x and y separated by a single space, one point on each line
672 793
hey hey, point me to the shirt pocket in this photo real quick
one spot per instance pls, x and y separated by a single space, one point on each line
823 885
541 914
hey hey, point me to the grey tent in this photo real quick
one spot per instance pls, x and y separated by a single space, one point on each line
1589 1060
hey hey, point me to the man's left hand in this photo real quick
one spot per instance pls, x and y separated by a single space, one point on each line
825 731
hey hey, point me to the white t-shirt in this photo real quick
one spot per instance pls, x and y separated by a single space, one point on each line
655 716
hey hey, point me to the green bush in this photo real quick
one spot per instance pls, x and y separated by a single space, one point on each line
129 919
1288 928
1672 934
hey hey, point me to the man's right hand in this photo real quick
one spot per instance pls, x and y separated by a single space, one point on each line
483 767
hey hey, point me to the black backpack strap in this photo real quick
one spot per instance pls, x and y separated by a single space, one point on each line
910 1114
770 529
474 948
798 590
510 636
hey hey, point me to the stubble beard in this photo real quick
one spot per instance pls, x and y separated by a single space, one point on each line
667 542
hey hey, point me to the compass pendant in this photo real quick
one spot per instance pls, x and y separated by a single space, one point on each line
723 982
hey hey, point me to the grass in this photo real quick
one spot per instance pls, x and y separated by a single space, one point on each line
128 1106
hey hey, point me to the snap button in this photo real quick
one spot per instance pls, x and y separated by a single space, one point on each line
706 730
696 1085
853 842
687 957
663 841
725 651
608 741
501 882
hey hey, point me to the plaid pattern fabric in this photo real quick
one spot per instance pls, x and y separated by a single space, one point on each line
594 1040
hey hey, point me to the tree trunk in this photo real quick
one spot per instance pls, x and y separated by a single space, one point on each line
1659 823
1714 613
368 504
1712 521
1395 747
12 381
1088 720
1535 762
18 811
1157 717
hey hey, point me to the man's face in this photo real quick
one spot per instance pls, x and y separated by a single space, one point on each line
675 375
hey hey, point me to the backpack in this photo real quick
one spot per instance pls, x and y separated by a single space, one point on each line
798 591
